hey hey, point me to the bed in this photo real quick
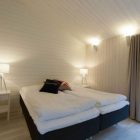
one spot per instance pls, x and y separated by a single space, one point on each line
113 107
79 126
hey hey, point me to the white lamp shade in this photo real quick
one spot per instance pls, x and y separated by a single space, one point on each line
83 72
4 68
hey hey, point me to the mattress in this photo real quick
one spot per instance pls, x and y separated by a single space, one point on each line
47 126
101 98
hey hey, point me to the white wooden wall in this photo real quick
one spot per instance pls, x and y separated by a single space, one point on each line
35 48
109 65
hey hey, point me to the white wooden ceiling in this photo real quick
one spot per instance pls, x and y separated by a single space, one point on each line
86 18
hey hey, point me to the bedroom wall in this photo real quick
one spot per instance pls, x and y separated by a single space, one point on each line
108 66
36 48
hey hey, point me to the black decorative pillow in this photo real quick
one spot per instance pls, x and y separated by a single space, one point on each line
62 84
50 87
53 81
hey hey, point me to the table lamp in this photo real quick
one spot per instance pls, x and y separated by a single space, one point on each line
4 68
84 73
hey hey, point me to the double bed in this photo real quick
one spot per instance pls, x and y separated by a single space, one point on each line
64 117
76 114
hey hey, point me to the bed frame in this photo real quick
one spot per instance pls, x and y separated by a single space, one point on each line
79 131
114 117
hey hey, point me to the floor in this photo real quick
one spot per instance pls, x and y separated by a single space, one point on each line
16 129
125 130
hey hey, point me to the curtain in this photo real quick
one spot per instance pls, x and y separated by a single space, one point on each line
134 75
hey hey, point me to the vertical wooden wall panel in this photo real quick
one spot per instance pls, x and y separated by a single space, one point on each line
109 65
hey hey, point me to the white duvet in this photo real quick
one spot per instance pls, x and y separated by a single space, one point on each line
101 98
113 107
50 106
47 126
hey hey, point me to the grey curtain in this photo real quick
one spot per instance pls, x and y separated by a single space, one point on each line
134 74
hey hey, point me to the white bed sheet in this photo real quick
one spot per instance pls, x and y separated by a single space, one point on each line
47 126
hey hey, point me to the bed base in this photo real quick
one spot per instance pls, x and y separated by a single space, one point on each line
79 131
112 118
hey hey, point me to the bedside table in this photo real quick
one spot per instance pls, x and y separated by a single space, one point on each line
85 86
6 107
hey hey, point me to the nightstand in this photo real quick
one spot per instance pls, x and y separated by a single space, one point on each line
5 108
85 86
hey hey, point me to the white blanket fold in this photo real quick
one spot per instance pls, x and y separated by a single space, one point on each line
101 98
113 107
50 106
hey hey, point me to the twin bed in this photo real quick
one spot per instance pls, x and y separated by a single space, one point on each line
70 115
112 107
